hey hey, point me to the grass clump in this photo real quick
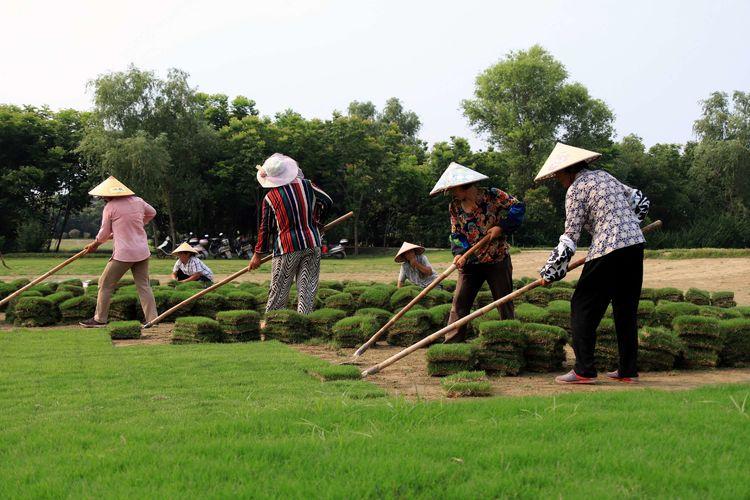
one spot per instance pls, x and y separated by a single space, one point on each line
466 384
322 321
702 338
658 348
241 325
336 372
723 299
665 312
287 326
121 330
190 329
354 330
35 311
501 346
544 351
448 359
735 335
412 327
342 300
78 308
698 297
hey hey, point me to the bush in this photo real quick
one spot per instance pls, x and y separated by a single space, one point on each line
123 307
74 234
210 304
238 300
354 330
381 315
336 372
191 329
32 236
240 325
736 337
322 321
287 326
723 299
119 330
403 296
466 384
529 313
698 297
376 296
670 294
544 351
665 312
343 301
34 311
440 314
78 308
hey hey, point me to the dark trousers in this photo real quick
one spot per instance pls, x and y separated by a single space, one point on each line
498 275
616 277
182 276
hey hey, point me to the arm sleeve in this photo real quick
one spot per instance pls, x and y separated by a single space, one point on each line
323 202
176 266
556 266
264 229
514 210
401 274
105 232
148 213
639 203
459 242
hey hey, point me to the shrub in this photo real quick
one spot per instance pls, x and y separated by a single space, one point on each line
665 312
191 329
376 296
702 338
403 296
78 308
119 330
412 327
381 315
240 325
354 330
322 321
210 304
440 314
529 313
466 384
123 307
32 236
736 337
34 311
287 326
238 300
670 294
723 299
544 351
336 372
698 297
343 301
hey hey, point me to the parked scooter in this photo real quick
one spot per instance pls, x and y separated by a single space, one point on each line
164 251
219 247
335 251
242 246
200 245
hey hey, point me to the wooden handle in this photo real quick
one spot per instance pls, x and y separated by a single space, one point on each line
479 312
43 276
229 278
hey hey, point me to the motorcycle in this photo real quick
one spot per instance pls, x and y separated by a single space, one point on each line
219 247
164 251
200 245
242 246
335 251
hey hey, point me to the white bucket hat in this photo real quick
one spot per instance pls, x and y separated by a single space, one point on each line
184 247
278 170
562 157
405 248
456 175
111 188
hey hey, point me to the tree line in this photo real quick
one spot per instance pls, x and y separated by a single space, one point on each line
193 156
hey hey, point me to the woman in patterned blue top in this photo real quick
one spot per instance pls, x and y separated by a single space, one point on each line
611 212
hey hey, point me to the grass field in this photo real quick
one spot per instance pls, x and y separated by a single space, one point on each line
81 418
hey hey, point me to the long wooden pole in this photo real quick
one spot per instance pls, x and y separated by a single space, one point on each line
479 312
415 300
43 276
229 278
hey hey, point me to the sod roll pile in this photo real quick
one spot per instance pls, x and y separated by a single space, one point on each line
437 297
529 313
35 311
466 384
287 326
376 296
121 330
645 313
210 304
606 353
354 330
239 300
698 297
241 325
501 346
190 329
322 321
447 359
178 297
403 296
702 338
412 327
736 339
665 312
123 307
381 315
670 294
723 299
658 348
78 308
342 300
336 372
439 315
10 306
558 314
539 296
718 312
545 345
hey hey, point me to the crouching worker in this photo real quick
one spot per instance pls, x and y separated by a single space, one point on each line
475 212
123 220
414 266
289 226
189 267
612 213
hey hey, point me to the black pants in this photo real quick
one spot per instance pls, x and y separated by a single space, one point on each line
616 277
499 276
182 276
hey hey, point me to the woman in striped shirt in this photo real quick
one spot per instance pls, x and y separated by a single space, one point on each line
290 216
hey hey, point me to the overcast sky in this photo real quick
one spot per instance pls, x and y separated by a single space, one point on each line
650 61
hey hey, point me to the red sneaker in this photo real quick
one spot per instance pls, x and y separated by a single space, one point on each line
573 378
615 375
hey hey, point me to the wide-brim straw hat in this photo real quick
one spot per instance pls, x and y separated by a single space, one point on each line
278 170
405 248
562 157
184 247
111 188
456 175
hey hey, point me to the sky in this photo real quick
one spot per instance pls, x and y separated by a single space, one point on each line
650 61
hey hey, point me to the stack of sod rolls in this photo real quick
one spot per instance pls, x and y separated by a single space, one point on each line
378 296
544 347
78 308
529 313
702 338
665 312
10 306
123 306
723 299
412 327
35 311
539 296
468 383
287 326
381 315
645 313
736 338
121 330
342 300
606 353
658 348
354 330
718 312
210 304
241 325
241 301
669 294
501 346
322 321
439 315
179 296
698 297
558 314
483 298
190 329
447 359
403 296
438 297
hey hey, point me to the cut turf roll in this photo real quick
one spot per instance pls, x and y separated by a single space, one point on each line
449 285
560 293
322 321
121 330
324 293
163 300
195 286
287 326
75 290
241 325
439 315
529 313
544 351
466 384
376 296
501 347
334 285
343 301
665 312
606 353
558 314
59 297
735 335
483 298
356 289
191 329
703 340
78 308
670 294
447 359
645 313
403 296
44 288
35 311
698 297
210 304
718 312
336 372
412 327
123 307
658 348
381 315
437 297
539 296
723 299
239 300
354 330
648 294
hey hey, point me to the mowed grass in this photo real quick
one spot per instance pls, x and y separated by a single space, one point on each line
80 418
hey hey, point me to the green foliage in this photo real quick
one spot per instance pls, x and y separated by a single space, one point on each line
190 329
120 330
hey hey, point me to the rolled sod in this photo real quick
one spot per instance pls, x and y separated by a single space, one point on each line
343 301
163 300
120 330
356 289
562 284
403 296
334 285
324 293
376 296
658 348
190 329
605 351
558 314
189 285
35 311
544 351
447 359
123 307
719 312
322 321
645 313
239 300
698 297
240 325
501 346
412 327
439 315
59 297
78 308
703 340
665 312
670 294
448 285
381 315
336 372
466 384
75 290
539 296
354 330
736 337
437 297
287 326
44 288
723 299
483 298
556 293
648 294
529 313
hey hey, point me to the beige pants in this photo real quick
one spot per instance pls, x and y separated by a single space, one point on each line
112 274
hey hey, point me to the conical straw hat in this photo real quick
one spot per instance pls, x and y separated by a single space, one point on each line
111 188
184 247
456 175
405 248
563 156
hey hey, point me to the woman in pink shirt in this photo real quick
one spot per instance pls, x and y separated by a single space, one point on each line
123 220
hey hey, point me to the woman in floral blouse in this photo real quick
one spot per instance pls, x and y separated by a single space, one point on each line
475 212
611 212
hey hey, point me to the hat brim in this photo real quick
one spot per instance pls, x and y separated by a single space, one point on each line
184 250
400 256
282 180
448 188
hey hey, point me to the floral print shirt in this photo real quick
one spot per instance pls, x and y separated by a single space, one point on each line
494 208
606 208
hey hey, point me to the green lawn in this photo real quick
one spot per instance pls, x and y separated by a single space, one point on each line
80 418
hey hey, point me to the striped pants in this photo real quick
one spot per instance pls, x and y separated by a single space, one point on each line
302 266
